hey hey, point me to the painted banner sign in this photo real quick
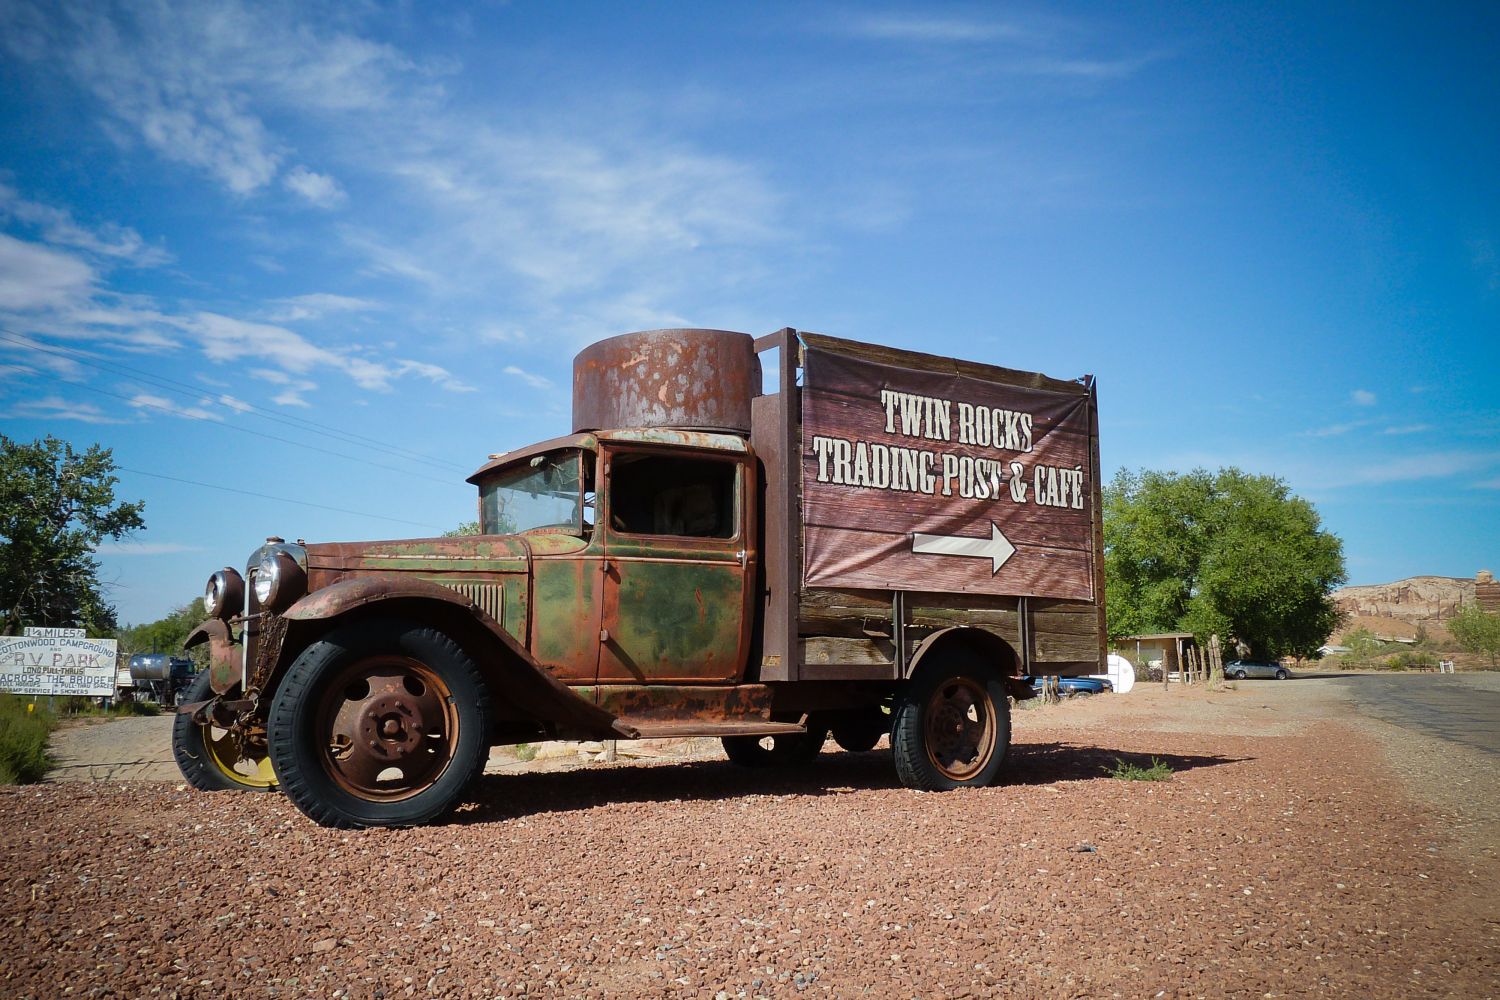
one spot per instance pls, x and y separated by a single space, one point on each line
918 480
58 665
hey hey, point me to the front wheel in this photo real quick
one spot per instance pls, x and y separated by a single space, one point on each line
951 727
214 759
1239 675
379 723
1282 675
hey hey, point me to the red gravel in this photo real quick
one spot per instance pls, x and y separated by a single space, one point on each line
1268 866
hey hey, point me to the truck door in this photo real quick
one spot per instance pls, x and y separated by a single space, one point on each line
676 568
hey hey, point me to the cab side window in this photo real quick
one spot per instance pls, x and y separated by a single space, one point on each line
668 495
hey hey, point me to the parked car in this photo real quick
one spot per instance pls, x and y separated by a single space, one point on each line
1076 685
1243 669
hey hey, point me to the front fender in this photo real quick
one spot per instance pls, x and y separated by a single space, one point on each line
506 664
224 665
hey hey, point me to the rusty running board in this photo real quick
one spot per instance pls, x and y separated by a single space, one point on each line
650 729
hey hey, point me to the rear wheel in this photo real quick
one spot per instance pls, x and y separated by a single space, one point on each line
214 759
779 750
952 727
379 724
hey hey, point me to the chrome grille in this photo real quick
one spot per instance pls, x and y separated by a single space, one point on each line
490 597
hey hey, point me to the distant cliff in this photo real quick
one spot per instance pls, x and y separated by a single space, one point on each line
1425 601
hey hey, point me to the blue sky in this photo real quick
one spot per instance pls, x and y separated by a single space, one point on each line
338 254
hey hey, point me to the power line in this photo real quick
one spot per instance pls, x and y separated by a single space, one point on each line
273 437
163 382
267 496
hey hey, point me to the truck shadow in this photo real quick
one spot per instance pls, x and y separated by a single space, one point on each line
495 797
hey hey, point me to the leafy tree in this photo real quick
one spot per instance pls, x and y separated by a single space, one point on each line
56 505
1224 553
1477 631
464 528
1362 643
165 635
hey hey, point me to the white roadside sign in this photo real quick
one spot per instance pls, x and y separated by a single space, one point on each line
58 665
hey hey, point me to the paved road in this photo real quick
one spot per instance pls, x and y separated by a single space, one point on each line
1460 708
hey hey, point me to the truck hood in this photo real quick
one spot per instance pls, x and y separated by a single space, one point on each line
468 553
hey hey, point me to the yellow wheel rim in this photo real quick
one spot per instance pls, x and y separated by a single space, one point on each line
251 769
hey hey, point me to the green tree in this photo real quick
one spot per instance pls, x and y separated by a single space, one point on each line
1477 631
1224 553
165 635
464 528
56 505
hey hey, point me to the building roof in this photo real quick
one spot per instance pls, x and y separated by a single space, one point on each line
1155 635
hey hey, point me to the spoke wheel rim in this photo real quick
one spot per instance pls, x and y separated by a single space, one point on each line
959 728
387 728
242 761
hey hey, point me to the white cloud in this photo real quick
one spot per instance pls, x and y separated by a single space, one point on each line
319 189
535 381
1409 468
1489 484
150 403
237 405
1336 430
1408 429
317 305
195 83
1363 397
917 28
58 408
57 227
143 548
34 277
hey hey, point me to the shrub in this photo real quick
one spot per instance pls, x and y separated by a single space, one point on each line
1158 771
23 740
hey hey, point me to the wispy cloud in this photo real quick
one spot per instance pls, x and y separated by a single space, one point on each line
1489 484
144 548
535 381
160 405
177 77
1336 430
1408 429
1363 397
319 189
57 226
316 305
36 277
58 408
1409 468
922 28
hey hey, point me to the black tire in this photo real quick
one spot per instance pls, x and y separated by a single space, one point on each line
775 751
211 759
1282 675
938 742
1239 675
859 733
414 701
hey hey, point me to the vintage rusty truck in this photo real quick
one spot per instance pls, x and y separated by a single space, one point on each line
848 539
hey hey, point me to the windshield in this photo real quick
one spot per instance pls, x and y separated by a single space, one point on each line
546 492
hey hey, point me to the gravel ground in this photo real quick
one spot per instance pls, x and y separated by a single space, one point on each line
1283 858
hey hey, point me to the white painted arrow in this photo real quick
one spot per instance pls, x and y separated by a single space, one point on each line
996 547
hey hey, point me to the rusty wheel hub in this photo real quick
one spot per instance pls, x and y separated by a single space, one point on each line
389 726
959 728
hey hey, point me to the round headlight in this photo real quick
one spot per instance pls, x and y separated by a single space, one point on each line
224 594
279 581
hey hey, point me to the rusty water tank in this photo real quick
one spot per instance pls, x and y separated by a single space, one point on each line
699 380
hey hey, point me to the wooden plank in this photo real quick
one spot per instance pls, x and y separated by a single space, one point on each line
827 649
